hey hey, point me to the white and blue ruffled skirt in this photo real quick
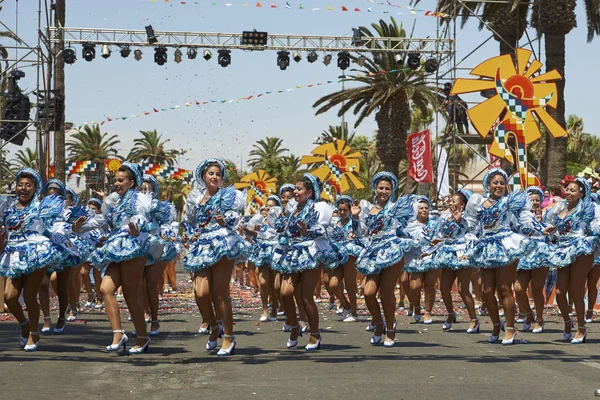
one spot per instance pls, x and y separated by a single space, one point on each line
499 249
343 251
539 257
122 246
447 255
382 252
568 248
261 252
300 255
210 247
22 257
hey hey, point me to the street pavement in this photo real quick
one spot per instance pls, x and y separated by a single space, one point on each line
426 363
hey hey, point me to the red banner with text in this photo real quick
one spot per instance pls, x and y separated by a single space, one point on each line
420 167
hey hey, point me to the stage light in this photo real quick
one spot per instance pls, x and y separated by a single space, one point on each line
283 59
192 53
431 65
69 56
151 36
254 38
399 59
327 59
137 54
160 55
16 108
312 57
414 61
224 58
125 51
356 37
207 55
343 60
362 60
177 56
297 57
88 52
105 51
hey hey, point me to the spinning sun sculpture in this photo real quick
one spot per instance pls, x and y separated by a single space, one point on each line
516 110
335 164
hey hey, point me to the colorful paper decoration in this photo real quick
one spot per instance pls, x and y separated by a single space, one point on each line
336 165
259 185
289 6
522 97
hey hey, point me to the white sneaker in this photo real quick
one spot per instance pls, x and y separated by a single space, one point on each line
350 318
263 318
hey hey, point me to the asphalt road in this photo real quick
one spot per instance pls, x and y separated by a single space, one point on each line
426 363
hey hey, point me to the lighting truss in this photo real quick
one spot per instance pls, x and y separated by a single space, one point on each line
138 38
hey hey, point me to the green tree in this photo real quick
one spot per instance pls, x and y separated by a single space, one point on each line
553 19
335 132
90 144
26 159
232 173
172 190
151 149
267 154
291 169
389 96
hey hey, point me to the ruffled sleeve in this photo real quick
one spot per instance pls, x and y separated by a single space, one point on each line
403 210
360 225
231 205
470 214
189 221
518 205
50 211
595 221
323 213
141 209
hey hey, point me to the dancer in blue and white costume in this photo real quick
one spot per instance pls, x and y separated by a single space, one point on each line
211 220
493 219
533 269
27 250
286 195
447 251
91 238
303 245
122 256
421 229
381 260
576 221
342 273
161 216
57 275
262 230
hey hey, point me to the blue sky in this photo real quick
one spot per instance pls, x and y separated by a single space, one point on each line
121 87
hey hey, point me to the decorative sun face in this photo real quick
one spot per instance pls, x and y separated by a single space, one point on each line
516 110
336 165
259 185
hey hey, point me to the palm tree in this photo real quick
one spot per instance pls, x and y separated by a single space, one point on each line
26 159
554 19
388 95
266 154
150 149
232 173
506 21
291 169
335 132
172 190
90 144
420 121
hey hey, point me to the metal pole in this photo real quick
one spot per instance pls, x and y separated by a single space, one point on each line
59 86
